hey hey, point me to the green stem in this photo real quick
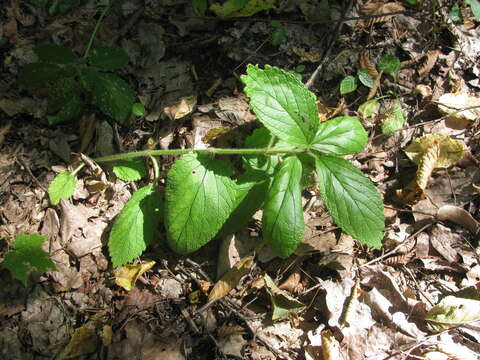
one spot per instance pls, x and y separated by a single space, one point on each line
79 167
97 26
156 168
210 151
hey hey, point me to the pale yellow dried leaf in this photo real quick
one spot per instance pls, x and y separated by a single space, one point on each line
231 278
450 103
427 164
84 341
127 275
330 346
451 150
424 91
433 151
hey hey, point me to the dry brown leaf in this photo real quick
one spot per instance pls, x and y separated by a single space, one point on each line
292 283
433 151
231 278
379 8
330 346
399 259
376 85
84 341
181 109
428 63
458 216
366 64
88 124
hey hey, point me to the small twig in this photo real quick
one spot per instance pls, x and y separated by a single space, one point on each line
395 249
333 39
22 162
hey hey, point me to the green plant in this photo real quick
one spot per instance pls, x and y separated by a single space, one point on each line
27 256
204 197
388 63
70 80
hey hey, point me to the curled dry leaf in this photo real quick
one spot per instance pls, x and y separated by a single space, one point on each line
292 283
127 275
459 216
428 62
330 346
231 278
181 109
375 87
433 151
380 8
366 64
325 112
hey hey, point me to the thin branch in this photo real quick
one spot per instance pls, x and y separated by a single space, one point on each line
333 39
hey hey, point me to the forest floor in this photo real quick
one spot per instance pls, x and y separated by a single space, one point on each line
335 298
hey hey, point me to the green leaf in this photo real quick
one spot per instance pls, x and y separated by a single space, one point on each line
200 7
283 303
390 64
393 120
455 15
260 138
39 3
130 170
352 199
56 54
340 136
61 91
279 34
283 224
26 256
110 93
365 78
200 196
108 57
135 226
348 85
138 109
71 110
62 187
252 189
475 7
368 108
283 104
36 75
451 312
239 8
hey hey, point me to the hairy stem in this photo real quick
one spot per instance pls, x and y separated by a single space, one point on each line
211 151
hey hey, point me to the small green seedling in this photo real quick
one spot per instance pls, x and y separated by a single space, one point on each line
27 256
205 198
387 63
72 80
